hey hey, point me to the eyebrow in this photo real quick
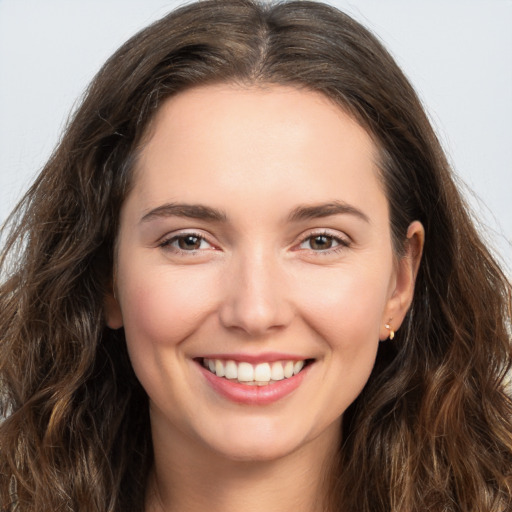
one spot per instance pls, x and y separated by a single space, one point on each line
307 212
192 211
202 212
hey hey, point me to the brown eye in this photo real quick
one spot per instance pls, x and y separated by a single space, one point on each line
186 242
321 242
189 242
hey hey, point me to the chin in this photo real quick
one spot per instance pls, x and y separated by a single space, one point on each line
256 452
264 442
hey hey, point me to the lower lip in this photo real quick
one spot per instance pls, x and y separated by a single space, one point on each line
254 395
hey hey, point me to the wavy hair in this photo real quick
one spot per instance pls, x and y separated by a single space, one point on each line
431 431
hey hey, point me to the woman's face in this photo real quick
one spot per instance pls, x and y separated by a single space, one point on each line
255 271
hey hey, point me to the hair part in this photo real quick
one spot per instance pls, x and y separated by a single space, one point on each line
432 428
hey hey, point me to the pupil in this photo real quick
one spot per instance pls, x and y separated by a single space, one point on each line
321 242
189 242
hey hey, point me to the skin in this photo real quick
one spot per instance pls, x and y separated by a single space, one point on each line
258 281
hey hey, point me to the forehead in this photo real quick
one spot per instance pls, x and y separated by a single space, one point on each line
272 143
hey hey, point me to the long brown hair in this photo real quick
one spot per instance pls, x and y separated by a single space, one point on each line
431 431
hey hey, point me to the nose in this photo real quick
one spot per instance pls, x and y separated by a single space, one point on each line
255 298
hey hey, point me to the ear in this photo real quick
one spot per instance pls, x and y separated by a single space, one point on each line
113 315
403 290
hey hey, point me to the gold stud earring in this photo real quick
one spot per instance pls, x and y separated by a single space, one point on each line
391 332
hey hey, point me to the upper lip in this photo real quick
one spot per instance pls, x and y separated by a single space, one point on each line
266 357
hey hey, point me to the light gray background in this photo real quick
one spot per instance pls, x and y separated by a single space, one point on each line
458 55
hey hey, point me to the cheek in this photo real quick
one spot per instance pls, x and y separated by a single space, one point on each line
163 307
346 305
345 313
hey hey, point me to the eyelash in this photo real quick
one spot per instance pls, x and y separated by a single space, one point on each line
342 243
167 243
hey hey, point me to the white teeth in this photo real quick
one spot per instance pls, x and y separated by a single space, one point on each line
297 367
262 372
277 372
245 372
288 369
231 370
257 375
219 368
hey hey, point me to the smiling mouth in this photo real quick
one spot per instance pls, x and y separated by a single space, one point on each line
261 374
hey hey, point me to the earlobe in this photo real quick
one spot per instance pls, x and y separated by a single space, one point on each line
406 272
113 315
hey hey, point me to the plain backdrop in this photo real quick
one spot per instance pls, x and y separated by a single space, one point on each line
458 55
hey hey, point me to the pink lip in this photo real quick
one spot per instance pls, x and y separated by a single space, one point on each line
253 395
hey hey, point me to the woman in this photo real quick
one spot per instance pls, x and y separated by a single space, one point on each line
246 278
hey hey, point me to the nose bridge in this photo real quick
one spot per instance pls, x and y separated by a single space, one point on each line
255 298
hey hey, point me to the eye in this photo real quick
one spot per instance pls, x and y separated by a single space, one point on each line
320 242
186 242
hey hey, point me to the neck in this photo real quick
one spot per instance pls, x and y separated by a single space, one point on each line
188 477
